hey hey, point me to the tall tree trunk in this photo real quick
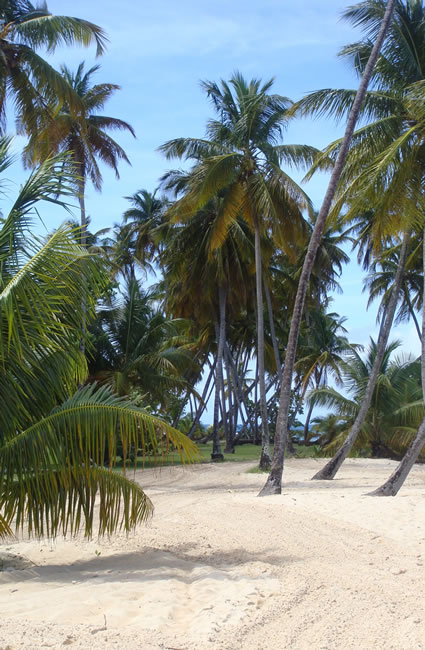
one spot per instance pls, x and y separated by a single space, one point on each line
257 438
265 440
230 434
83 242
397 478
203 403
307 422
272 330
216 452
82 202
224 419
239 393
274 481
330 469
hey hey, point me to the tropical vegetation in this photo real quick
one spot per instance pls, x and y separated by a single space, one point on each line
214 290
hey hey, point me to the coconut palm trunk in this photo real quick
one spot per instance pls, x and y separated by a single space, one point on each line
307 422
330 469
397 478
265 439
412 313
82 202
272 330
203 403
83 241
216 452
274 481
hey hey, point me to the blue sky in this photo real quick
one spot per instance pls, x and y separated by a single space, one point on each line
158 53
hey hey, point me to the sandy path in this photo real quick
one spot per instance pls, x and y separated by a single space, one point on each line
321 567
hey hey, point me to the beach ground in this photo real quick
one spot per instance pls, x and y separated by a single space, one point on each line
321 567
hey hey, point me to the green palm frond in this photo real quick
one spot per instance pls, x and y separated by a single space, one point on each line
48 31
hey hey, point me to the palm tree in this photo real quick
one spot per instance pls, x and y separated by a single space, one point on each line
274 481
396 408
146 221
321 354
25 77
241 156
209 287
392 182
53 435
380 282
136 348
84 135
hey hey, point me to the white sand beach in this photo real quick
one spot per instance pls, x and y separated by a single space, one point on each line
321 567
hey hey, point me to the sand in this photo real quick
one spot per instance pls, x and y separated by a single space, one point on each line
321 567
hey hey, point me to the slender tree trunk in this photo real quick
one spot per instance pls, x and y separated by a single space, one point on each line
202 404
216 452
230 436
397 478
252 414
307 422
330 469
412 313
82 202
83 242
239 394
272 330
224 413
265 440
274 481
257 438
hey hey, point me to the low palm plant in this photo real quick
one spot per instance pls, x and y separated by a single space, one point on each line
54 431
396 409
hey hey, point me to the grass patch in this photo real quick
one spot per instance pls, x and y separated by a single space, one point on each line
242 453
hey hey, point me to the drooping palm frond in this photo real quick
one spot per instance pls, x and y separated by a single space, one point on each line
54 438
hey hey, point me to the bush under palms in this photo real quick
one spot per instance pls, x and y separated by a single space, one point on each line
396 408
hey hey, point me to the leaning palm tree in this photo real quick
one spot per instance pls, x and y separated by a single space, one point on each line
242 156
25 77
274 481
384 168
84 135
54 436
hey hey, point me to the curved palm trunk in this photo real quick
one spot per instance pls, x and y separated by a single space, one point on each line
397 478
216 452
265 439
330 469
274 481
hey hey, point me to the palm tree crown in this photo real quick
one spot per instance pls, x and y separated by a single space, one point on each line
25 76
